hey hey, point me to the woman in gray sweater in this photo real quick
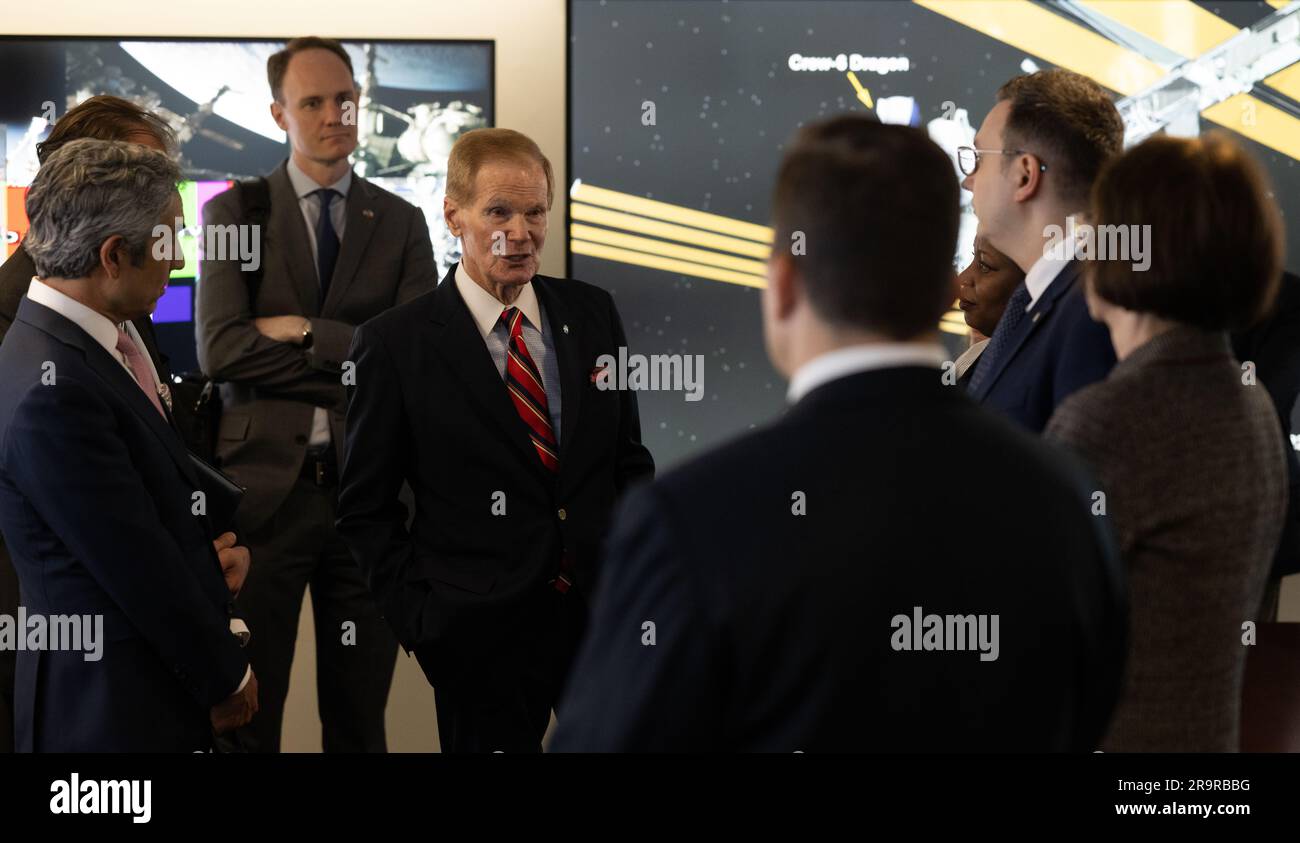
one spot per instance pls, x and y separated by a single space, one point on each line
1182 438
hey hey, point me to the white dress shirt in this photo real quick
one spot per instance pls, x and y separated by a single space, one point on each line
485 310
102 330
1049 265
304 186
100 327
853 359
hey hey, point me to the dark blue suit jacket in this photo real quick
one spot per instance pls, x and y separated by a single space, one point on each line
1056 351
96 508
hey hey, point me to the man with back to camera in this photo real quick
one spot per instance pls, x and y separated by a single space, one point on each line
775 594
1034 161
96 486
337 250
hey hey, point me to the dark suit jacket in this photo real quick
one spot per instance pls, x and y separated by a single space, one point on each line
430 408
1274 347
271 388
95 503
773 631
1054 352
15 276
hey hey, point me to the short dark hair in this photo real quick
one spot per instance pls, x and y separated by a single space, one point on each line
1216 246
105 118
878 207
278 63
1066 119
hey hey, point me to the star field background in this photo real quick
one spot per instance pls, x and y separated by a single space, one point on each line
726 104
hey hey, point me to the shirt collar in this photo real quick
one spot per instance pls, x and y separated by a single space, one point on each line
100 327
1049 265
304 184
486 310
854 359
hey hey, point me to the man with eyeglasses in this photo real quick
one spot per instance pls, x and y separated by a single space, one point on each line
1031 169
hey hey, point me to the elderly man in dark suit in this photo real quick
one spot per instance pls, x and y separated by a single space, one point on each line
1034 159
798 590
337 250
483 395
97 491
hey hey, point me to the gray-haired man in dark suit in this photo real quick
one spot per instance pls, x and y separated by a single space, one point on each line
100 117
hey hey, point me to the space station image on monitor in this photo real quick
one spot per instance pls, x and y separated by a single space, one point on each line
416 98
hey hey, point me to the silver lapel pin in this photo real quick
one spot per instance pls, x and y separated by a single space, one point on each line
564 328
165 393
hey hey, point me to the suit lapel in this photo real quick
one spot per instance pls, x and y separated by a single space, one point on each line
1038 315
566 339
112 373
362 215
289 233
458 340
1023 330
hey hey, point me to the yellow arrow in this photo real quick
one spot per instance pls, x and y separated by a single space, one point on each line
863 93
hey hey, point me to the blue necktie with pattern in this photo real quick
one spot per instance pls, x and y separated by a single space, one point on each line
1002 334
327 242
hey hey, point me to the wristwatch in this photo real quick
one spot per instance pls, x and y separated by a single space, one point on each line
306 333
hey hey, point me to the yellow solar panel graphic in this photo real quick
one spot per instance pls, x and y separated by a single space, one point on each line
654 234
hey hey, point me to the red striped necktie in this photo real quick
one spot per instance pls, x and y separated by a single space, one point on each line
526 391
524 382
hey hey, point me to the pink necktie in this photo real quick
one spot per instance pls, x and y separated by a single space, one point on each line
139 368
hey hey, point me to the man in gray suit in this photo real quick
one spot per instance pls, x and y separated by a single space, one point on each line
336 251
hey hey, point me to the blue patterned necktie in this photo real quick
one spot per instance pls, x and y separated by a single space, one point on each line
1002 334
327 242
